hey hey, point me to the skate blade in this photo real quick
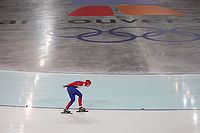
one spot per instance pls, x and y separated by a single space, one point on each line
82 111
66 113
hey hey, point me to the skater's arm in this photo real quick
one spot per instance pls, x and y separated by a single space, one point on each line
64 86
76 83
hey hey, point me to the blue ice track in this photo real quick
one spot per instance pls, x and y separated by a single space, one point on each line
109 92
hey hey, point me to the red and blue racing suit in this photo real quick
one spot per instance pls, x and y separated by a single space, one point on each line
73 91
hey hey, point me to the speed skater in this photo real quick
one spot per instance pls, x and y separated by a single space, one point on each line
73 91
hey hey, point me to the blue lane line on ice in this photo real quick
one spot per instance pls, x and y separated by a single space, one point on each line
101 109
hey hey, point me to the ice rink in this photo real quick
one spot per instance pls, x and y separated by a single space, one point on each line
142 57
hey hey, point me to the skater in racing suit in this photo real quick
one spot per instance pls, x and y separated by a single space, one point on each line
72 91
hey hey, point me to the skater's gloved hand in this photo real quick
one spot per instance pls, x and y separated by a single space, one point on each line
64 86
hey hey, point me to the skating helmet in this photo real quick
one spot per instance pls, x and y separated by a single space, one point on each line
87 83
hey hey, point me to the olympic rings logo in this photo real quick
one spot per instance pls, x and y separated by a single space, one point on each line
124 34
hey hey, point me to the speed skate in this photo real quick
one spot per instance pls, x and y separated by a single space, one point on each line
66 112
81 109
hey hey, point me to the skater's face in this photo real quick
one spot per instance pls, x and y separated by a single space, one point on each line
88 85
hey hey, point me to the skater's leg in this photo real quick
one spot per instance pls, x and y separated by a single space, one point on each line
77 92
80 101
81 109
72 97
68 105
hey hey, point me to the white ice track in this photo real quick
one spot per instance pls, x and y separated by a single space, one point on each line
113 110
37 120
